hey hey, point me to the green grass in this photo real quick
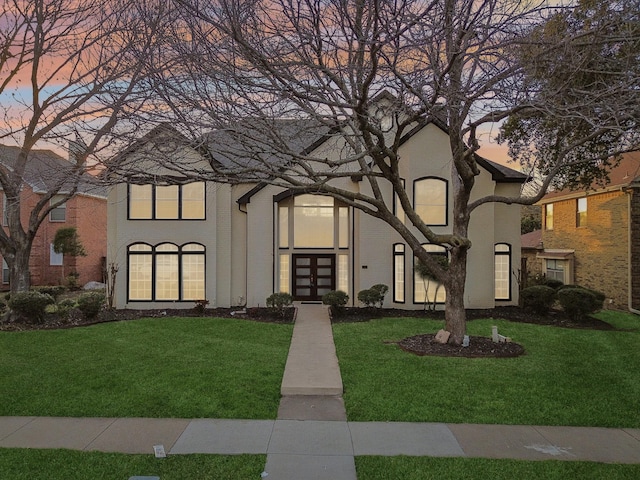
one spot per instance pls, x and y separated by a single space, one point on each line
567 377
169 367
425 468
27 464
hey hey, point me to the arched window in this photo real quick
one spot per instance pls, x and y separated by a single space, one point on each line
430 200
502 271
166 272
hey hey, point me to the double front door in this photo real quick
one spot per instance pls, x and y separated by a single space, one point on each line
313 276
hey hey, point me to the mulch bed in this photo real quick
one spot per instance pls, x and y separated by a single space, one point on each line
478 346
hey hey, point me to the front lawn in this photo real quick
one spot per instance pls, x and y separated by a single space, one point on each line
162 367
427 468
567 376
31 464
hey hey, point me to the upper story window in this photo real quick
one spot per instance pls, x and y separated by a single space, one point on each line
167 202
59 213
430 200
581 212
398 211
548 216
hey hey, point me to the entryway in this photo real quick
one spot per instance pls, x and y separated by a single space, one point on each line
313 276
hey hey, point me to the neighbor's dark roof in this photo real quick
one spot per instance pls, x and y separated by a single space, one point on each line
45 170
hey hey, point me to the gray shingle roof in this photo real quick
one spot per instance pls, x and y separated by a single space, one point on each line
46 169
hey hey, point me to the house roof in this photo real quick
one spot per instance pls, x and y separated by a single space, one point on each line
46 170
620 176
532 240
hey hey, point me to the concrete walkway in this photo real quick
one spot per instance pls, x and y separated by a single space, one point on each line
311 437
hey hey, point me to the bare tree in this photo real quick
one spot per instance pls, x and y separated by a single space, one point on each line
68 76
240 67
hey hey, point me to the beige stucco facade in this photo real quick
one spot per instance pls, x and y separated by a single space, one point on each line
246 260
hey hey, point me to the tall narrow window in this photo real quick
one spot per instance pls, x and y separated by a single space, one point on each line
140 201
166 272
398 273
548 216
5 271
54 257
581 212
398 211
283 228
343 227
59 213
428 289
167 202
192 201
430 200
343 273
193 272
502 271
140 271
284 273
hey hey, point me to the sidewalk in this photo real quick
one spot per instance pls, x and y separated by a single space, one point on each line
322 438
311 437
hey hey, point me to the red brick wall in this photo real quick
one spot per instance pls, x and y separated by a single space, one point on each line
89 216
635 248
601 247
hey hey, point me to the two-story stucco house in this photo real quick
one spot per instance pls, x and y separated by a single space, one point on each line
237 244
86 211
591 237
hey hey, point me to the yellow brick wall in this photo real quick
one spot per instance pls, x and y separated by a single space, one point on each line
601 247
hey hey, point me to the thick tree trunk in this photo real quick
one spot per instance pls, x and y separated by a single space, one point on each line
19 274
455 315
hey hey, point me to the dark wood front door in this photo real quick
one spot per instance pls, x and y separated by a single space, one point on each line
313 276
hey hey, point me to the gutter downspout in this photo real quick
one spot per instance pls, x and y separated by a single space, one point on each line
246 251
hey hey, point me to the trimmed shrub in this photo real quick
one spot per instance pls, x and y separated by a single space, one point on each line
373 296
600 297
31 304
335 298
538 298
578 302
553 283
54 290
64 307
91 303
279 301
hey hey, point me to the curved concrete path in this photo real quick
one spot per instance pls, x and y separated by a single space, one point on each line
311 437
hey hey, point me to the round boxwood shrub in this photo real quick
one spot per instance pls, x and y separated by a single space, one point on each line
335 298
578 302
54 290
373 296
538 298
91 303
30 305
553 283
279 300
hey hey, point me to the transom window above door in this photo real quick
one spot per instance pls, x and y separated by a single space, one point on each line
313 221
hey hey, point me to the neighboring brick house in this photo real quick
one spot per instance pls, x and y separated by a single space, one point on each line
530 265
86 211
592 237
